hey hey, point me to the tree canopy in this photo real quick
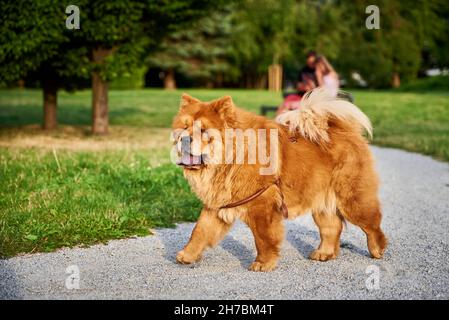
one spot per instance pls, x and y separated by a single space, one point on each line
221 42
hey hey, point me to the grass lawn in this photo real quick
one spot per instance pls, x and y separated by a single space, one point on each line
68 188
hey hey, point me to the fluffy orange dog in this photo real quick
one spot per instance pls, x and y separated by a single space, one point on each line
322 164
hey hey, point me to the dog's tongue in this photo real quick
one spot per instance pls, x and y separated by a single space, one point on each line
189 160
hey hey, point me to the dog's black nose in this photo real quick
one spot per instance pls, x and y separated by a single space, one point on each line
185 144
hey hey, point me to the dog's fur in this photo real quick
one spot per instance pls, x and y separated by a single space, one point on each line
325 167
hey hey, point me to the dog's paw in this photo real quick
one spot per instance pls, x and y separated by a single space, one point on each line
377 252
377 245
184 258
319 255
263 266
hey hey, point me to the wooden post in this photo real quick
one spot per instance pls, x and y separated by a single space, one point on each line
275 77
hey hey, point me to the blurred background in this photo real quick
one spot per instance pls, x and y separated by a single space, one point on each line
88 90
215 44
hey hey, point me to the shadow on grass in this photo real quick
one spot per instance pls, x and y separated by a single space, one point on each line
21 115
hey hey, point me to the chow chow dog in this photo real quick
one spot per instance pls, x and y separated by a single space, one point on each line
321 163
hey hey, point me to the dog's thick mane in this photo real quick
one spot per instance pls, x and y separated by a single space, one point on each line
316 109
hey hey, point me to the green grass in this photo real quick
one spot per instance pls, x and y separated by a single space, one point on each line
416 122
67 188
87 198
149 107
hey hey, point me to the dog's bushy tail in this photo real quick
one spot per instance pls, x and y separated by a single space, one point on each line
316 111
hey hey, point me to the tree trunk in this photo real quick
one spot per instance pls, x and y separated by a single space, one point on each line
219 80
261 82
100 117
396 82
21 84
50 104
169 80
248 81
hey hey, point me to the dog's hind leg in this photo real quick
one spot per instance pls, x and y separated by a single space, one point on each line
208 231
330 226
365 213
268 230
356 186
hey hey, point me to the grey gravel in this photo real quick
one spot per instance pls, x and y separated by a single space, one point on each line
415 197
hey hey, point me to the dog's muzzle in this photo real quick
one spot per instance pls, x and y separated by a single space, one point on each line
187 159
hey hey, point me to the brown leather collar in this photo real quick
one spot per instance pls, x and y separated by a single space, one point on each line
255 195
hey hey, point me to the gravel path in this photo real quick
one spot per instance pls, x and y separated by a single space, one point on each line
415 197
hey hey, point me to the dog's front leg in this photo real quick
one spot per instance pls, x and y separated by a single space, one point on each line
209 230
268 231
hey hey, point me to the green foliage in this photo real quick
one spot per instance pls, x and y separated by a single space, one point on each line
33 37
406 32
31 33
411 37
132 29
200 51
431 84
263 33
220 41
134 79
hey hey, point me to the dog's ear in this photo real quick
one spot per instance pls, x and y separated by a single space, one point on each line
223 105
225 108
186 100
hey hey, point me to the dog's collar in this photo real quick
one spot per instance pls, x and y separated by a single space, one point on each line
255 195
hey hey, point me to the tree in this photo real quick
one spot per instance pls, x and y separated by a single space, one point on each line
114 37
32 38
410 38
200 51
431 24
118 35
262 37
394 53
270 32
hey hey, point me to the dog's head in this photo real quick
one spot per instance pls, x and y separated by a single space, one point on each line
195 129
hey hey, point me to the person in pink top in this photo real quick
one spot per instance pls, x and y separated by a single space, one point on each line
326 76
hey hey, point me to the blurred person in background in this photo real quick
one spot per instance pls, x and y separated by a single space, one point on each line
307 80
326 76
